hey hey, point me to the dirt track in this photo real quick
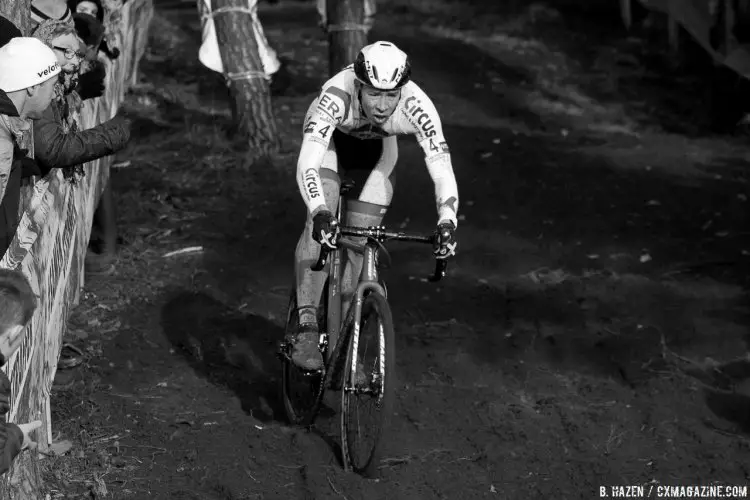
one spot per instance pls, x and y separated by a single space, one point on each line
590 333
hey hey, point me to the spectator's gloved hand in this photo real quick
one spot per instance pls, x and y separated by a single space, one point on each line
29 167
325 229
124 125
91 83
445 240
27 429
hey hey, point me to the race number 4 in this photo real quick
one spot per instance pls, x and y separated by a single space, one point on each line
313 127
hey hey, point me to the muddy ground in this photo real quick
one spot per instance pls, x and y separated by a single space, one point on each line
591 330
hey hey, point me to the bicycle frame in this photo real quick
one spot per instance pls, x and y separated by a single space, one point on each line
368 280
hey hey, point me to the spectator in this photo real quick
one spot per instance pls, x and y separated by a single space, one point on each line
57 141
89 19
92 72
17 305
45 10
90 7
27 80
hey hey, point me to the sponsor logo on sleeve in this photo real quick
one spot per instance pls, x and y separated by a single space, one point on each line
414 111
311 183
332 108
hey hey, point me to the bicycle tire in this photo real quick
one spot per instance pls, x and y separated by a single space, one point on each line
299 411
365 461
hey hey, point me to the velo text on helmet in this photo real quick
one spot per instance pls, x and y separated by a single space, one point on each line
383 66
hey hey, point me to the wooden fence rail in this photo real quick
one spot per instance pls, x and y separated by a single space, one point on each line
51 242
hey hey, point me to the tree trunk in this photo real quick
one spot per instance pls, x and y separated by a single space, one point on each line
346 32
252 110
17 11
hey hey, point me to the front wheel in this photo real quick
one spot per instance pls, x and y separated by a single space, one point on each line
369 385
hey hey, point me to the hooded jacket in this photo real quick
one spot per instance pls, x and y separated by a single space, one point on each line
11 437
11 129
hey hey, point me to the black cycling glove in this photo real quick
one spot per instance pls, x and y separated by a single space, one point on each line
445 240
325 229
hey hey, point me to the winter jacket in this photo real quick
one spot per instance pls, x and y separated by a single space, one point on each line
11 437
11 129
54 148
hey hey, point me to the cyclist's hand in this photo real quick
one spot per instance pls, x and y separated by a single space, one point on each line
445 240
325 229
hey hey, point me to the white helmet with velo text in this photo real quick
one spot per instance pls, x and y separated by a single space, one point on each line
383 66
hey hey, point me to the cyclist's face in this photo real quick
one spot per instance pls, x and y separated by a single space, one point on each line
379 104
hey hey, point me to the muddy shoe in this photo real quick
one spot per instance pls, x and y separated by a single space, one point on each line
306 353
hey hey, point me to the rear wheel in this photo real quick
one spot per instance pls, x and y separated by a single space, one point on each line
369 386
301 390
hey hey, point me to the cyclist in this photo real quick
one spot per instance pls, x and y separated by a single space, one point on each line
354 122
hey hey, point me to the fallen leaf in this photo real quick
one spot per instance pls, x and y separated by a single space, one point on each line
60 447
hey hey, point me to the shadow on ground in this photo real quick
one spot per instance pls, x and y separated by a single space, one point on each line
229 349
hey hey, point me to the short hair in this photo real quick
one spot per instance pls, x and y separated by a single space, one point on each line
17 300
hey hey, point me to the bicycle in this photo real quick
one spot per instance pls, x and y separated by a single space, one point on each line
341 343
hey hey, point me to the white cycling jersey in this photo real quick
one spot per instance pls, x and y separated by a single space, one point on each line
338 107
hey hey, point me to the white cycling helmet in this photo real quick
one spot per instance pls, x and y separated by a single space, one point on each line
383 66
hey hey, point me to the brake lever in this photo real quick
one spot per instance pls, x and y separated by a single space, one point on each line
441 265
322 259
